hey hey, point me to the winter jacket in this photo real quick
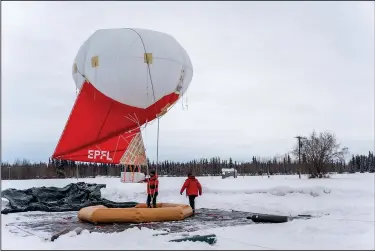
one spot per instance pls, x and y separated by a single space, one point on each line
152 184
192 186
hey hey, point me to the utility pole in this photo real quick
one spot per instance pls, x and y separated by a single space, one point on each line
299 154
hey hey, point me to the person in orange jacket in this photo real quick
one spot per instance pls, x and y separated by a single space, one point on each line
152 189
193 189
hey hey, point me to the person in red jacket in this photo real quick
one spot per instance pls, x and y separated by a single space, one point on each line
193 189
152 189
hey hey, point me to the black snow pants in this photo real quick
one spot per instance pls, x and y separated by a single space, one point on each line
192 201
153 199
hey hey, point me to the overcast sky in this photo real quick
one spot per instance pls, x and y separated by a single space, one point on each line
264 72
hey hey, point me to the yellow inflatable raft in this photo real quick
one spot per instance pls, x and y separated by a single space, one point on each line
138 214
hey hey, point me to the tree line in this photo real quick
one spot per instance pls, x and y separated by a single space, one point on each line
317 156
363 163
24 169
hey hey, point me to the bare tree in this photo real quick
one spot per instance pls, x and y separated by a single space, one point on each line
319 151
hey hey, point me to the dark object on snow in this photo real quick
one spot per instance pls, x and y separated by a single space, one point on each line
300 217
78 231
210 239
72 197
160 234
262 218
305 216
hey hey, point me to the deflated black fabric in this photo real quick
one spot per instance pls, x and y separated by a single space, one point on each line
72 197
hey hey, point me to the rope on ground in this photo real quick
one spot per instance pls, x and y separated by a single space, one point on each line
347 220
269 248
242 242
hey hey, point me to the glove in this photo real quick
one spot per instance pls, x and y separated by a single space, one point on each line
180 193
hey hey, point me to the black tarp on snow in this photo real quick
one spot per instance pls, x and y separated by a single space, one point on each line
72 197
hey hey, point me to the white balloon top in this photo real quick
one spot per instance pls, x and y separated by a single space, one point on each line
136 67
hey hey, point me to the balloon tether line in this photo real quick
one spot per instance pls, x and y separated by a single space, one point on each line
153 93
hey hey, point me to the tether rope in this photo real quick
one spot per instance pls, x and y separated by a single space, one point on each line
153 93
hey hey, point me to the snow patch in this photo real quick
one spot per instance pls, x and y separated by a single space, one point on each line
276 191
4 203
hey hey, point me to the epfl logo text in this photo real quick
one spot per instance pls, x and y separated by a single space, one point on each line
94 154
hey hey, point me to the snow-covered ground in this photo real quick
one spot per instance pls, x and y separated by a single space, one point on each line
345 204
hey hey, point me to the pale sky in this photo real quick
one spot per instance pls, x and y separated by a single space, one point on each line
264 72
